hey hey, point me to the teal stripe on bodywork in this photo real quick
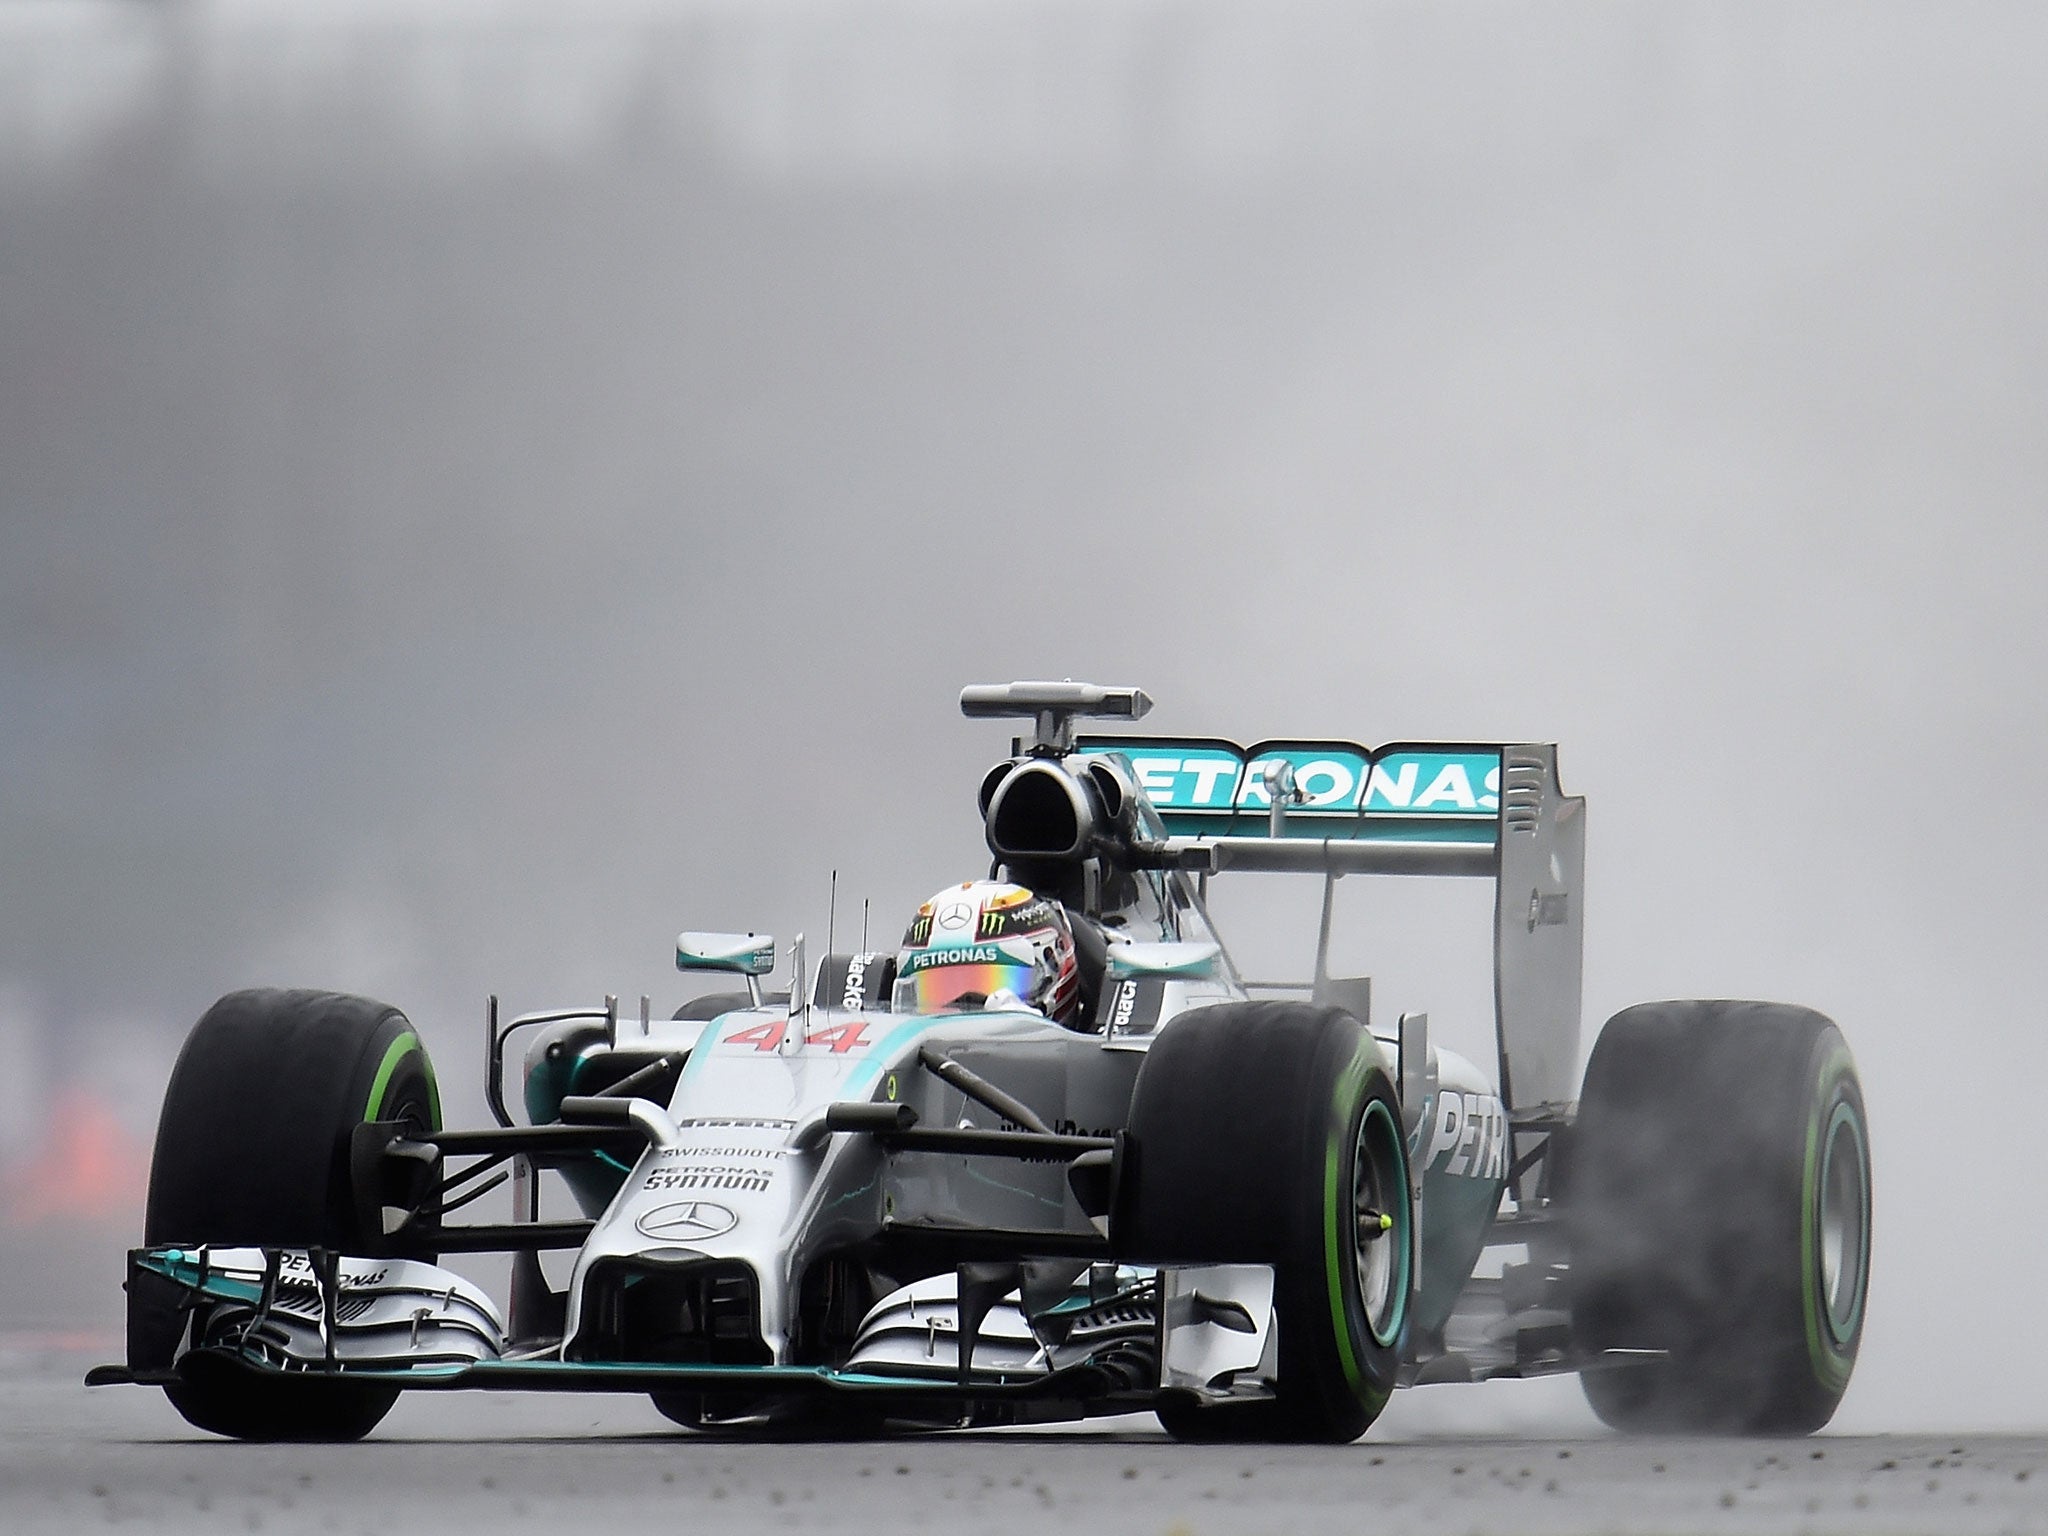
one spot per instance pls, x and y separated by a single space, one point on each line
540 1370
701 1051
172 1264
864 1077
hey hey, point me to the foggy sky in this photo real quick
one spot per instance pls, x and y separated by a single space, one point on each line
482 490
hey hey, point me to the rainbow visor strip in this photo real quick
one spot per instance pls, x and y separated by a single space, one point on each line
934 980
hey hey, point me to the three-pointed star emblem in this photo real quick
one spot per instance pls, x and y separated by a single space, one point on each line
687 1221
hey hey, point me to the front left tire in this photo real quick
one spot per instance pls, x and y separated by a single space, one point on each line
252 1150
1270 1132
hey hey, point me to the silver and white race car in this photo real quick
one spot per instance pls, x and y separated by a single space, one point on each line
1110 1175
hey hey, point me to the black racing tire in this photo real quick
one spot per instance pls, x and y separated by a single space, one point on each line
1259 1133
1718 1206
252 1150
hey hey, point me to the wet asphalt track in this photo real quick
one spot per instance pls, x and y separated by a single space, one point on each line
72 1459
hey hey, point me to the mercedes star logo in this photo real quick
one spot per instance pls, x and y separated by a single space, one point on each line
687 1221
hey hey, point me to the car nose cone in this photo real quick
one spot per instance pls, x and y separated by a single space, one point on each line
686 1221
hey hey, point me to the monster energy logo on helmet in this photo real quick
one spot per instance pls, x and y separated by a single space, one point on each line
997 921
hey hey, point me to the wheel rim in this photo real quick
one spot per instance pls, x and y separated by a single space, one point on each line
1844 1222
1380 1204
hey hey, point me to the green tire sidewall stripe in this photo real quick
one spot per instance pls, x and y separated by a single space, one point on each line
1831 1360
407 1043
1339 1220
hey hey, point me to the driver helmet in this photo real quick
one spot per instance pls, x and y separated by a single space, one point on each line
988 944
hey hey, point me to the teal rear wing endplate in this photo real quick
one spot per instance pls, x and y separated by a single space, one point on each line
1335 808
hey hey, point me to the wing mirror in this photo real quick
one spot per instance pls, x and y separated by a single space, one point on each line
1186 961
742 954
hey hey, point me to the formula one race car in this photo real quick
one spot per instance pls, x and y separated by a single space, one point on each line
1053 1157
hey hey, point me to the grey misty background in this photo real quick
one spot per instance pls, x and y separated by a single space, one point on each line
482 488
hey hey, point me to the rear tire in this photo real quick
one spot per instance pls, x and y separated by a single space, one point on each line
252 1150
1719 1209
1259 1133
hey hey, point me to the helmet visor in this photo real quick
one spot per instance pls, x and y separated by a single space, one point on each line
934 981
945 987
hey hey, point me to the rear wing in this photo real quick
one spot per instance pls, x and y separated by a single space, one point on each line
1336 808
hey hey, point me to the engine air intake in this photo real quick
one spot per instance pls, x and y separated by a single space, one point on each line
1040 811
